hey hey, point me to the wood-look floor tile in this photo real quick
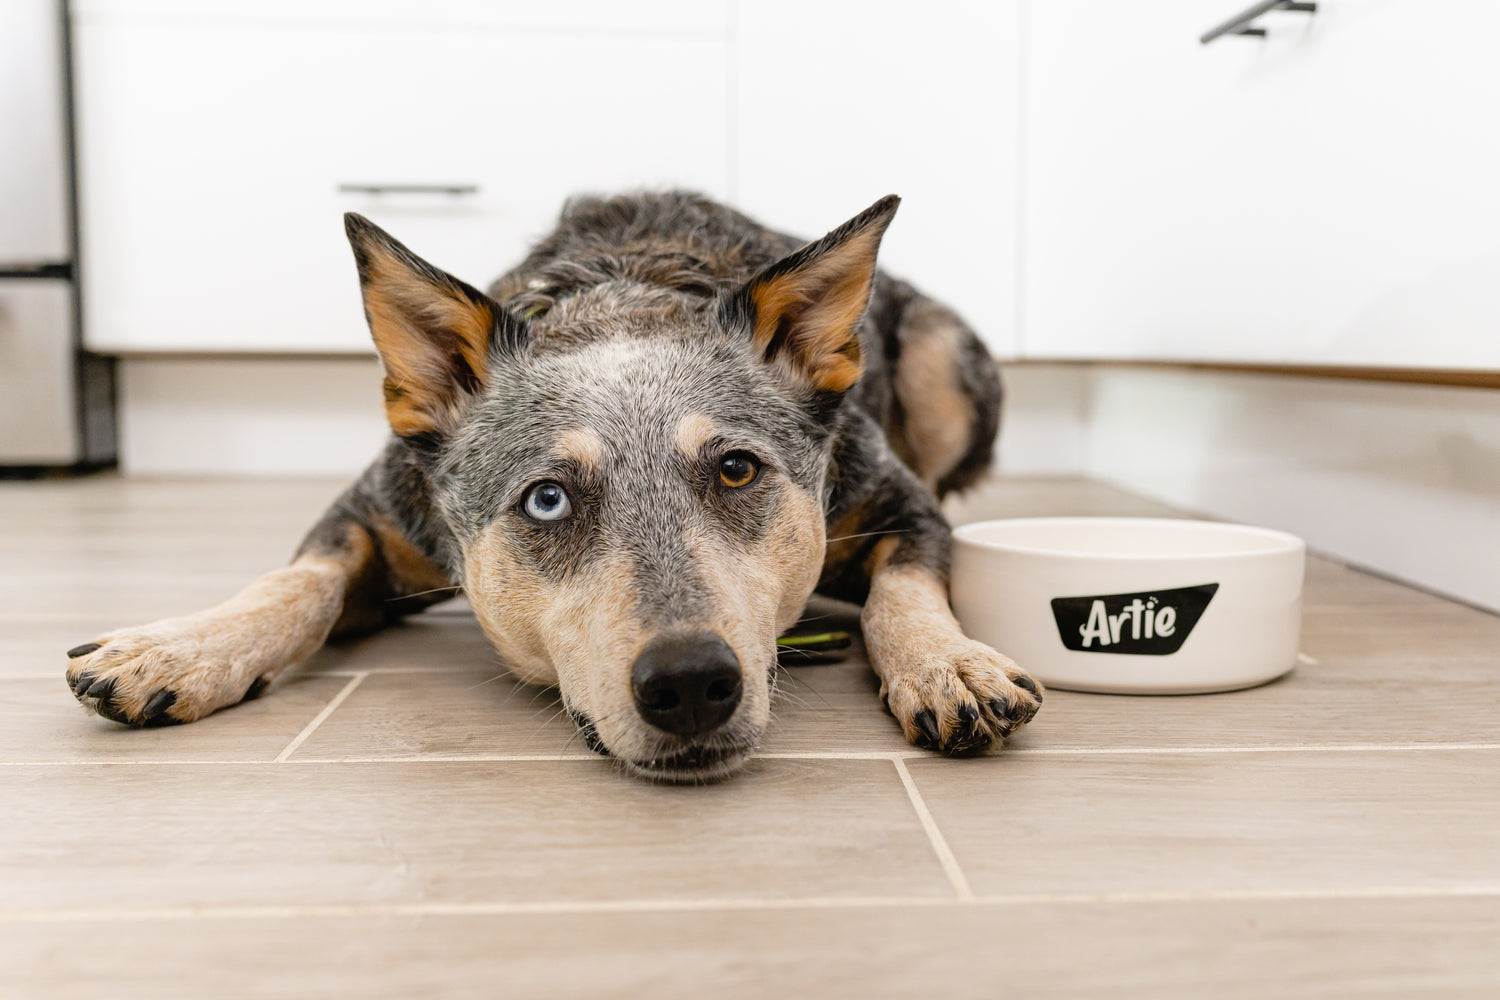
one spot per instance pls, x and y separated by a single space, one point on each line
288 834
426 641
41 721
1321 821
1043 496
37 647
445 714
1420 636
148 591
1324 704
1234 950
138 550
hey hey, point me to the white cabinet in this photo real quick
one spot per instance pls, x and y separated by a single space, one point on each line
1327 194
213 148
840 104
33 165
37 387
1082 178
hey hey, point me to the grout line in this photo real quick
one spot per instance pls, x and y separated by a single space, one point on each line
448 758
893 756
351 671
838 754
255 911
318 719
1284 748
295 675
934 835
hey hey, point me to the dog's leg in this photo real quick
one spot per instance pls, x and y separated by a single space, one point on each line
948 691
889 546
181 669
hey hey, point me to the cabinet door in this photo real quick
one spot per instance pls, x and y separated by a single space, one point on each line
841 104
38 401
33 135
213 151
1326 194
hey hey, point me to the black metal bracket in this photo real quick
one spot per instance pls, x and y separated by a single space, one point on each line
1241 24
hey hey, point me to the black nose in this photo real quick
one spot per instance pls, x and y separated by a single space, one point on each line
686 684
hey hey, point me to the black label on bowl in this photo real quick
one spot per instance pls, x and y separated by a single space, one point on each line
1148 623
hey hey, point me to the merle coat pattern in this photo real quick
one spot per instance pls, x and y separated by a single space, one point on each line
638 454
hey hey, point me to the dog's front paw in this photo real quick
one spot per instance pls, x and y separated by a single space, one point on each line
170 672
961 698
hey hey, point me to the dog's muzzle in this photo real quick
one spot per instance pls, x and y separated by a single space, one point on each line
686 685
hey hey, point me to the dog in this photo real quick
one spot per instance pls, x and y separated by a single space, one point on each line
638 455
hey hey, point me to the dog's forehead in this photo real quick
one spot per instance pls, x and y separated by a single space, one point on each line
637 393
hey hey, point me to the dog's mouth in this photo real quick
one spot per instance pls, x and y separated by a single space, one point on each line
691 764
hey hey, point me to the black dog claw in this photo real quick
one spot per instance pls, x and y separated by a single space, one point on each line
104 689
83 650
1022 681
156 708
1002 715
81 684
926 721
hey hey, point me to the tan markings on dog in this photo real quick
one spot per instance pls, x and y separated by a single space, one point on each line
427 334
939 415
693 432
211 659
782 567
925 662
816 310
510 600
410 571
759 594
845 536
594 635
581 634
582 446
910 595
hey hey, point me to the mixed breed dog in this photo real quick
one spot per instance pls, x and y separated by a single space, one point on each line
638 455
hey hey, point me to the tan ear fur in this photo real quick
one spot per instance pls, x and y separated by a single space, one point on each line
432 331
807 306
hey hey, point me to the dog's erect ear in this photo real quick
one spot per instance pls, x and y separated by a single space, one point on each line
804 310
434 333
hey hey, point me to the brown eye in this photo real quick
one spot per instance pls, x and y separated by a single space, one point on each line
737 470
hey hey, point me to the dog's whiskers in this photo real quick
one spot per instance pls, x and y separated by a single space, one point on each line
550 719
424 593
867 534
490 680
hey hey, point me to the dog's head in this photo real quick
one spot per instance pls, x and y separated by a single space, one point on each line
634 476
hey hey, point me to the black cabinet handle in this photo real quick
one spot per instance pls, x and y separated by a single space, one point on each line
1240 24
453 189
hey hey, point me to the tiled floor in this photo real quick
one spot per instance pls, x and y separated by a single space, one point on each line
397 819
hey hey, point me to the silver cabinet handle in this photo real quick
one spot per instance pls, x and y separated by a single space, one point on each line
452 189
1240 24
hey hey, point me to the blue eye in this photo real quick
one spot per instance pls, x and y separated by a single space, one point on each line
548 502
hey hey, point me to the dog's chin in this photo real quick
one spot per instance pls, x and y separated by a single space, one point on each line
685 764
690 766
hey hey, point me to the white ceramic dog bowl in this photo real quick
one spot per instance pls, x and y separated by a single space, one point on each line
1132 605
